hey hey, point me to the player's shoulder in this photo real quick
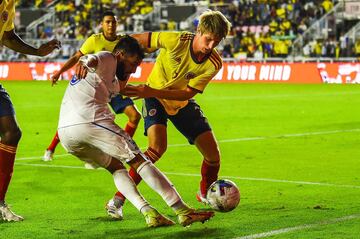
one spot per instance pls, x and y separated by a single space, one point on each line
119 36
186 36
105 55
215 59
96 36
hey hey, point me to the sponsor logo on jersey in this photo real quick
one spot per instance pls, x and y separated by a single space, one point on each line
4 16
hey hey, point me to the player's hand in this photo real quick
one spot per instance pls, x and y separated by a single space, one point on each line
80 71
138 91
46 48
54 78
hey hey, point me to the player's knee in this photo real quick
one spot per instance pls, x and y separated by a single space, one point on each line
11 136
134 117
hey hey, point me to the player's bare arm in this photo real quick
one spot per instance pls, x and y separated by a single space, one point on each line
144 91
144 40
68 64
13 41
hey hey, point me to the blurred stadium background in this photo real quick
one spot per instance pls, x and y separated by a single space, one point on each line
262 29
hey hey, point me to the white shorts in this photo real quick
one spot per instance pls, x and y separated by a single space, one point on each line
96 143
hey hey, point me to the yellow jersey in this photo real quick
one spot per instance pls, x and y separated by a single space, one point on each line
98 42
7 10
176 67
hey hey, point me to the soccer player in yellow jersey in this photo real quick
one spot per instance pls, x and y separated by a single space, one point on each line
186 64
10 132
104 41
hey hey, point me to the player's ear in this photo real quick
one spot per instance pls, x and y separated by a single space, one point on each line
120 54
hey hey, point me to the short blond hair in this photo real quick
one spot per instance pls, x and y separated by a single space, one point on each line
214 22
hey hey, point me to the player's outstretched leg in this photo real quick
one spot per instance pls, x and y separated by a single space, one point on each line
114 206
128 188
207 145
159 182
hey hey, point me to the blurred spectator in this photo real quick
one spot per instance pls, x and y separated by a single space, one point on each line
357 48
171 25
261 28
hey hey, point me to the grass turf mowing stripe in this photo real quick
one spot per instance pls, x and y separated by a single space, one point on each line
300 227
198 175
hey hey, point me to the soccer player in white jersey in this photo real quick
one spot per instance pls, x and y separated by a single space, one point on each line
104 41
88 131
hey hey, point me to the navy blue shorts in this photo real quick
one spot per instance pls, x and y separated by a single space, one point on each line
119 103
6 107
190 120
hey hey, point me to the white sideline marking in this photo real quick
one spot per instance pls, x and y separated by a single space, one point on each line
300 227
233 140
272 180
277 136
277 96
40 157
198 175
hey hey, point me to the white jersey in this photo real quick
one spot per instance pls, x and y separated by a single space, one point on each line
86 100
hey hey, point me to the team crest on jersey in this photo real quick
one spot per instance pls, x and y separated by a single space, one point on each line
152 112
4 16
189 76
74 80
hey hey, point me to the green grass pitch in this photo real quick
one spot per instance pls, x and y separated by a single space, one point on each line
293 150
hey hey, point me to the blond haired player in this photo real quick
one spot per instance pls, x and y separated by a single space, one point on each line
186 64
104 41
10 132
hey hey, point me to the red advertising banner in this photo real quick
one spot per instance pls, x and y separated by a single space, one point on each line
313 73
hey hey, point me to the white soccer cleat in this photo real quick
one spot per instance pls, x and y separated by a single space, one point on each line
113 211
7 215
48 155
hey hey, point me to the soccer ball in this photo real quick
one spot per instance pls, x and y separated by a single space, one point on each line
223 195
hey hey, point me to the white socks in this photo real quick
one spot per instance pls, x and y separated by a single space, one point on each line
160 184
127 187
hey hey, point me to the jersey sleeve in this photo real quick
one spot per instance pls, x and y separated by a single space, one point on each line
88 46
167 40
199 83
212 67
